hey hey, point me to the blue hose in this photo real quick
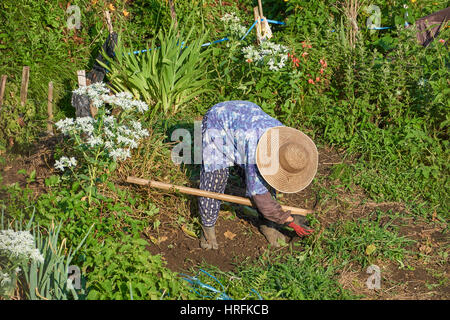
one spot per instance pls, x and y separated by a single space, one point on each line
220 40
220 294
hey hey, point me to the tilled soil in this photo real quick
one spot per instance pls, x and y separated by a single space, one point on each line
419 281
240 240
183 252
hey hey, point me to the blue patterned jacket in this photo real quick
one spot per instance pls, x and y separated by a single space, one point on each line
230 133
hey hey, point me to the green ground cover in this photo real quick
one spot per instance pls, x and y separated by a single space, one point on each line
383 102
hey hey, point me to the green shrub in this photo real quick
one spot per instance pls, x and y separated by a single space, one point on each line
124 269
167 76
36 34
19 124
393 112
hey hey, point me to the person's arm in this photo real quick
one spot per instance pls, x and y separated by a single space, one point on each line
267 205
271 209
258 189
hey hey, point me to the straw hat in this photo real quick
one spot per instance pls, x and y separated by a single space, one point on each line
287 159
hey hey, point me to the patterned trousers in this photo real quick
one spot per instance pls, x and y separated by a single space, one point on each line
214 181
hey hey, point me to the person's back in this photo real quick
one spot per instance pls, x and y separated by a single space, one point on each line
231 134
231 131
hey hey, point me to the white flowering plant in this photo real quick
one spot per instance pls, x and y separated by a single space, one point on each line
35 261
100 142
16 249
268 53
233 26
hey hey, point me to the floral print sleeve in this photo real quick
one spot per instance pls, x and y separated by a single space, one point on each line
231 131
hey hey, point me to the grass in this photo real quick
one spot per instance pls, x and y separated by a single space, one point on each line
391 132
314 272
364 241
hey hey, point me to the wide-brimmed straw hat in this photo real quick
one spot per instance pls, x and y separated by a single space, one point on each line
287 159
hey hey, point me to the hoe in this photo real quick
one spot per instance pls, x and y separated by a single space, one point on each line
208 194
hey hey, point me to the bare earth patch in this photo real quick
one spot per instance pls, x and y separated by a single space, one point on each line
424 277
182 252
39 159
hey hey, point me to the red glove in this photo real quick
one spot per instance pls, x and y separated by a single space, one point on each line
301 232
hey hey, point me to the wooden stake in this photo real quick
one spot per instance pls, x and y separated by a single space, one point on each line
81 74
24 87
258 24
2 89
208 194
173 14
265 32
260 9
50 109
94 110
108 21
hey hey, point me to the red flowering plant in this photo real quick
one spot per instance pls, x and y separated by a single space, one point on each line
309 69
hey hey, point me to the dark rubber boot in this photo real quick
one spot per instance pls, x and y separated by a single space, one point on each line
208 238
268 229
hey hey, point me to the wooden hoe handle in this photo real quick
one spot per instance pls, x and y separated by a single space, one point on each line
208 194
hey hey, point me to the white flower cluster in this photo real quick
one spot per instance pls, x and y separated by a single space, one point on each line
276 54
19 245
93 90
104 131
115 138
233 25
5 279
119 139
82 124
422 82
99 94
65 162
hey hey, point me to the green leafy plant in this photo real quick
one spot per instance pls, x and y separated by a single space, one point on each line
31 259
19 124
168 75
17 250
364 240
129 272
50 280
